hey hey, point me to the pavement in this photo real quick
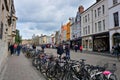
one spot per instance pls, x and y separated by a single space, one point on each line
20 68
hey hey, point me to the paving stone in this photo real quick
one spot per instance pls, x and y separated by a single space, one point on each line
20 68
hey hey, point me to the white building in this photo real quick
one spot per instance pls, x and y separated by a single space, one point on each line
95 28
114 21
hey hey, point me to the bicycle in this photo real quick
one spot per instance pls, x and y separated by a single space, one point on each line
105 72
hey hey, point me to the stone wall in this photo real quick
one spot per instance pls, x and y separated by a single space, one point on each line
3 54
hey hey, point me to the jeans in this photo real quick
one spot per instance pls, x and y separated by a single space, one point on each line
68 54
18 52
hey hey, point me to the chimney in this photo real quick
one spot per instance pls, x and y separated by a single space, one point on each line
81 9
98 0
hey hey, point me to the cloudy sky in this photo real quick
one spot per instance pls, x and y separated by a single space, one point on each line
45 16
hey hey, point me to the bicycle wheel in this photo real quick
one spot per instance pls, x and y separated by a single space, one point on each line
118 57
112 77
69 76
50 72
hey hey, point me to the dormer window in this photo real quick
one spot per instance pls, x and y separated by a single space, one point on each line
115 2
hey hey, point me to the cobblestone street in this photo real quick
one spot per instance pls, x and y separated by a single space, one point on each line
20 68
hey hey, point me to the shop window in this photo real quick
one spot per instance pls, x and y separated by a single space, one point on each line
83 44
116 38
90 44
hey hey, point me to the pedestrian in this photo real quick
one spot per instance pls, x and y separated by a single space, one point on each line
11 48
112 50
117 51
60 50
34 47
19 49
43 47
15 48
67 51
81 48
76 47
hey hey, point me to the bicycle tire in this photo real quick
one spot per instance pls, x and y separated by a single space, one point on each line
118 57
50 72
113 77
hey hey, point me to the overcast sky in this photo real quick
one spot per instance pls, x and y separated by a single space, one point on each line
45 16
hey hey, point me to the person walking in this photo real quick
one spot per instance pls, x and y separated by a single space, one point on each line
67 51
18 49
60 50
81 48
11 48
117 51
76 47
15 48
43 47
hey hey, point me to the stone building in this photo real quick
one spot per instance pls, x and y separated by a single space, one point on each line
7 28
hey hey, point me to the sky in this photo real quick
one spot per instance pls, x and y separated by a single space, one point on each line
45 16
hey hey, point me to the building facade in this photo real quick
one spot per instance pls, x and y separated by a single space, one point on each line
7 28
76 28
95 28
114 22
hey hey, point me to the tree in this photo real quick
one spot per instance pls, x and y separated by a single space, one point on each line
18 38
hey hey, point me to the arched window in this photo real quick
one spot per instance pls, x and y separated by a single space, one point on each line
116 38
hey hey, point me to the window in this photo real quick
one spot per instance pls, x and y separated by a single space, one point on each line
99 26
88 17
1 30
83 31
90 44
103 24
115 2
85 18
103 9
99 11
95 14
95 27
88 29
116 19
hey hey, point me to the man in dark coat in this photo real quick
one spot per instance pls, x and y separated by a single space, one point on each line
60 50
67 50
11 48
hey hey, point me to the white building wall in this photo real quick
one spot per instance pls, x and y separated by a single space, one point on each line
88 18
112 9
101 17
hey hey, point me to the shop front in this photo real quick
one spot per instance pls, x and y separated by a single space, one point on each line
77 41
101 42
87 43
